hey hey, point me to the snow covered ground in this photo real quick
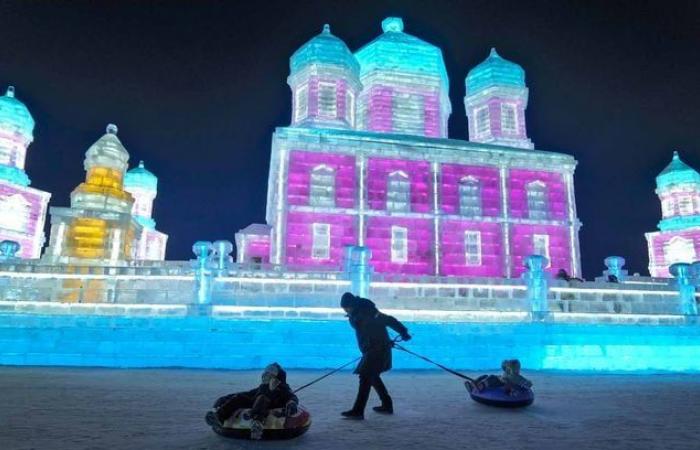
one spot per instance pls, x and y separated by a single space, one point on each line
65 408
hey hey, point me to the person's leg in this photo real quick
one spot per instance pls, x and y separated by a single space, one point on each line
260 408
232 405
387 406
358 408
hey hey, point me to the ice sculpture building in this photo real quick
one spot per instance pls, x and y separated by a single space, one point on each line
22 208
678 238
99 227
367 161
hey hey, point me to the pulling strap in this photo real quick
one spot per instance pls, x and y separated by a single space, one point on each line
446 369
327 375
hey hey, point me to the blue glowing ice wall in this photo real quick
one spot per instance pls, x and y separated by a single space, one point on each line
678 241
405 84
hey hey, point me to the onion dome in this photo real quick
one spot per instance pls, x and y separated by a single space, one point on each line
324 48
677 172
142 178
107 152
15 116
395 50
494 71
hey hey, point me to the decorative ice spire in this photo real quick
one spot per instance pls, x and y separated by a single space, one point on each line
10 91
112 129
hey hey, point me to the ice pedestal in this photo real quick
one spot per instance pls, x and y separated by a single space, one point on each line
203 277
537 285
686 289
615 265
358 269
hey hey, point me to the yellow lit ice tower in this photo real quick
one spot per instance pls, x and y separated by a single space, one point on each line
98 228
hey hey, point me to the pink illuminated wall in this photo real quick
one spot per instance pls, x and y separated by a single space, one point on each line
494 106
420 245
24 211
489 180
257 249
299 180
559 246
518 179
379 109
378 171
299 238
658 243
452 256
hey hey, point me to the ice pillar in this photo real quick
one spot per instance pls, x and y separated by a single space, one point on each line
202 272
358 269
8 250
686 289
537 286
222 256
615 265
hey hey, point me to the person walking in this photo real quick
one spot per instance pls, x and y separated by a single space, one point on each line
370 327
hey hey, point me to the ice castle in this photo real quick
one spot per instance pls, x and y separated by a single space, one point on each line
367 161
366 193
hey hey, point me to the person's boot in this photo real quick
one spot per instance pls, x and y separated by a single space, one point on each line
384 409
256 430
353 415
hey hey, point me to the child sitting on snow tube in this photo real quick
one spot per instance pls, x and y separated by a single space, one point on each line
269 411
509 389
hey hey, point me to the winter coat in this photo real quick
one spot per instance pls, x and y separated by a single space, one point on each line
372 337
279 397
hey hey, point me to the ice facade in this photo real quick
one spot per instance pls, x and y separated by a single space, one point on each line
678 238
386 177
98 228
22 208
142 184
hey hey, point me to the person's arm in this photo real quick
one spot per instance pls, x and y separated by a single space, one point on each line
394 324
291 402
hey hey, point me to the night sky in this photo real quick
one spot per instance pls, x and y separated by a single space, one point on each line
198 87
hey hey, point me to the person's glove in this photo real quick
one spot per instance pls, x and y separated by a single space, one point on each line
291 409
405 336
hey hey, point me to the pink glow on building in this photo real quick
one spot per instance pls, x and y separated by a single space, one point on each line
300 238
523 245
418 172
420 245
453 259
301 164
489 182
380 110
555 188
22 216
661 249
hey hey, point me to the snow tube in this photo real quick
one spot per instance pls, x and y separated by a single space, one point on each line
276 425
497 396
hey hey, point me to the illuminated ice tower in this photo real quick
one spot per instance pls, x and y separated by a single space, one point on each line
324 78
22 209
143 186
495 102
405 84
678 188
98 228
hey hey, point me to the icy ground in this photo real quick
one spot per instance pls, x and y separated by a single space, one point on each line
65 408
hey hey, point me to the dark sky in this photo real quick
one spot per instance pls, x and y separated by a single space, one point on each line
197 88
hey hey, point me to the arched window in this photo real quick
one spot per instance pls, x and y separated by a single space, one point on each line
327 100
398 196
537 204
472 247
482 121
679 249
321 241
399 244
14 212
350 107
540 246
470 197
301 103
322 190
509 118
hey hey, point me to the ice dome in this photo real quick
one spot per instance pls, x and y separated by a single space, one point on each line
107 151
395 50
15 115
677 172
140 177
494 71
324 48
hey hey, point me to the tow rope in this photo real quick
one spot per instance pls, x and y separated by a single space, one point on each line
328 374
446 369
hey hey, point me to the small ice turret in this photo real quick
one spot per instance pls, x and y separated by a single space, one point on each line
495 102
142 184
16 133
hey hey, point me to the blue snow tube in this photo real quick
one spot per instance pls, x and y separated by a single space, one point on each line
497 396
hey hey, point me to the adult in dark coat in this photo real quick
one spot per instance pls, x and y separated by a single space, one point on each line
373 340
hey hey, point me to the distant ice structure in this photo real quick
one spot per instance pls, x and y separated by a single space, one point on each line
143 186
98 228
22 209
366 162
678 241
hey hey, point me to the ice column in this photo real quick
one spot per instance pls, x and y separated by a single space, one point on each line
537 286
222 256
615 265
8 250
686 289
695 273
202 273
358 269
